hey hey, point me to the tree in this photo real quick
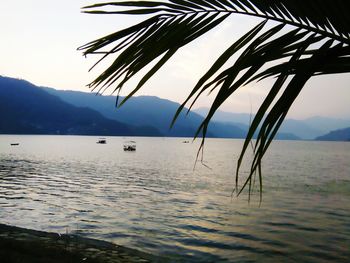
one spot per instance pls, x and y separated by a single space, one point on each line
292 42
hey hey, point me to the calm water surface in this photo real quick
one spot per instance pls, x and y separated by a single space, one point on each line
154 201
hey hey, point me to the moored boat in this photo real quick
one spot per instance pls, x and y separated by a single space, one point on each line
102 141
129 146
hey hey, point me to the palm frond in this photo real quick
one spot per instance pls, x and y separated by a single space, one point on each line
315 42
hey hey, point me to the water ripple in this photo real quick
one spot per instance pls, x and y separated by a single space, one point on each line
153 201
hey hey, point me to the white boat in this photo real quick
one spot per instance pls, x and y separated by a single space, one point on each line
129 146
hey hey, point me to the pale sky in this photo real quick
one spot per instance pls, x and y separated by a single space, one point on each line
39 39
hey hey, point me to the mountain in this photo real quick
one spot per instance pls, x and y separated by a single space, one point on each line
142 111
306 129
337 135
149 111
325 124
300 128
28 109
243 120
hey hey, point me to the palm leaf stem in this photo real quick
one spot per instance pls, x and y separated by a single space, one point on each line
290 22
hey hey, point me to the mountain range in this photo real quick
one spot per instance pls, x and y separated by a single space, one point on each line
337 135
148 111
28 109
306 129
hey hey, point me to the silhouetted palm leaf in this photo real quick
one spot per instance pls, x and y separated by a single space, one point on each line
307 38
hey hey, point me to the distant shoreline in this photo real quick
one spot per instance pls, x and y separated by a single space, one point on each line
171 137
26 245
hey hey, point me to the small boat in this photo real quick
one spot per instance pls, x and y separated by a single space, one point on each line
129 146
102 141
14 144
185 141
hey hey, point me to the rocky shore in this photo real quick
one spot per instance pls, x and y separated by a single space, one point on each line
25 245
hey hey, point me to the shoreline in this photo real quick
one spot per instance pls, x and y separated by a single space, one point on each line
26 245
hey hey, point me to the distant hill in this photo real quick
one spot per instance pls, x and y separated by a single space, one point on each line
243 120
306 129
325 124
143 110
27 109
150 111
337 135
300 128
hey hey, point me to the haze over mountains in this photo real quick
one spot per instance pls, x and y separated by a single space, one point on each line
306 129
28 109
337 135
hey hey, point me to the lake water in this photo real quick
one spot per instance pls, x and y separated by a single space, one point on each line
153 200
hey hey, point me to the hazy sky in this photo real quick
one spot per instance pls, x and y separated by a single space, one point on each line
39 40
